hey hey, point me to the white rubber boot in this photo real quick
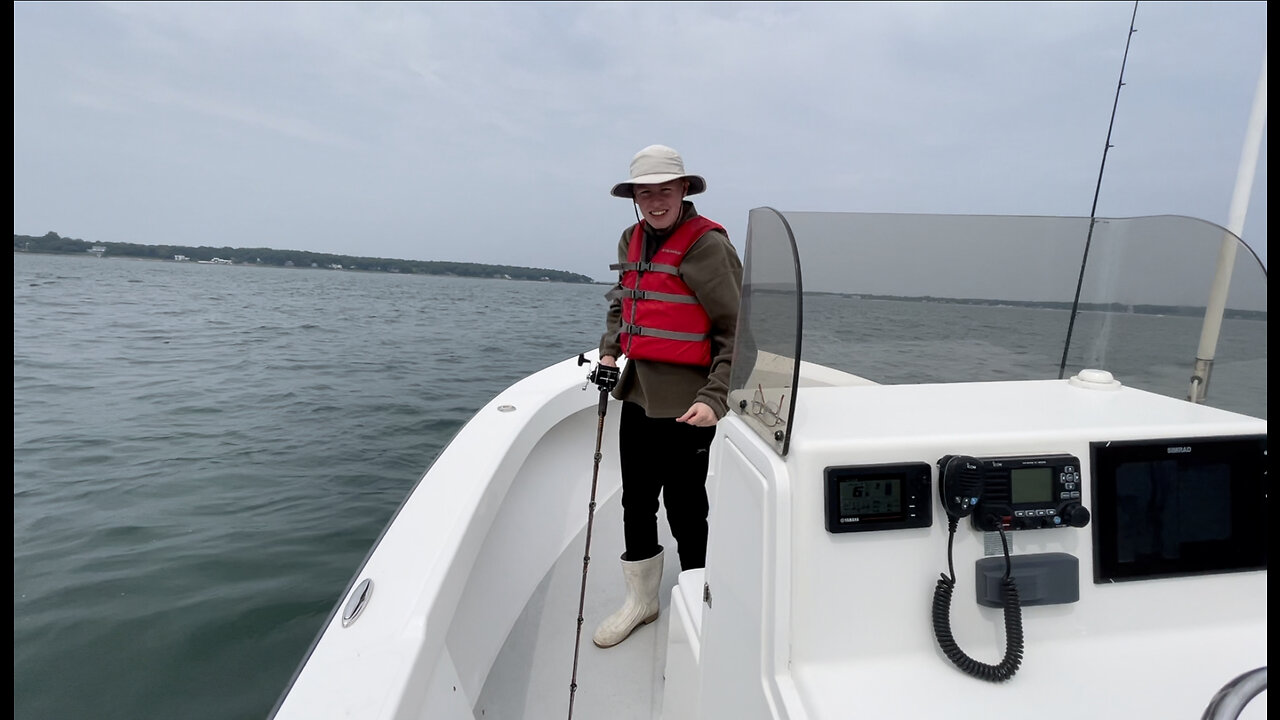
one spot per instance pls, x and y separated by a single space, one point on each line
641 607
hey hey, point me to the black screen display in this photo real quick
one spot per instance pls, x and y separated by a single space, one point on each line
1179 507
877 497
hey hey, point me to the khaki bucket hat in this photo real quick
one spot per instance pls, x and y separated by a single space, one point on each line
655 165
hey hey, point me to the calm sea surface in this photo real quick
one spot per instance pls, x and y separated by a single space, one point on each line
203 455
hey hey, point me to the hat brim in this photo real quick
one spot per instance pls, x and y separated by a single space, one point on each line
627 189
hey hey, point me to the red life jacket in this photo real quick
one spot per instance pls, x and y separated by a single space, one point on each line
661 317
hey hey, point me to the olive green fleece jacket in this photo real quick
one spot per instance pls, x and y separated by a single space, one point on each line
712 270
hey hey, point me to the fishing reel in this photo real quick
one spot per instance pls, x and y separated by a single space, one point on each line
604 377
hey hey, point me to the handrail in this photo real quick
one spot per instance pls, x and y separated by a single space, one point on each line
1231 699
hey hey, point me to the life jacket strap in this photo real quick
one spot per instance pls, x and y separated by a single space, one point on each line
620 293
665 334
646 267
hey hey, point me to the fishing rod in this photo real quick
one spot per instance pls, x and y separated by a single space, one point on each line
605 377
1093 211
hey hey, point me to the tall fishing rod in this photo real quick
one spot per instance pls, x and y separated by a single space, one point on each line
605 377
1093 211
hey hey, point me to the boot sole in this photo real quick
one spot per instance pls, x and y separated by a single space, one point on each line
643 622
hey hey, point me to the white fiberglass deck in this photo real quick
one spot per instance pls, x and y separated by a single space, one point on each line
530 678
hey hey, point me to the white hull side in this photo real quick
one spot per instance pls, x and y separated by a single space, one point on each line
465 553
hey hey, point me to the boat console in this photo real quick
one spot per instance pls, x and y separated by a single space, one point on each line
942 540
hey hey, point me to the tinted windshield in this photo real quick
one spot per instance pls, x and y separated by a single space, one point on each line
894 298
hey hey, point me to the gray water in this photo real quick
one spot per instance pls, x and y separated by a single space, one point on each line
203 455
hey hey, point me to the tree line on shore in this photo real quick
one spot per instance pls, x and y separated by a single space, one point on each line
52 243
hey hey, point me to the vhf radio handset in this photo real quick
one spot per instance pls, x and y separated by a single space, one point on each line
961 483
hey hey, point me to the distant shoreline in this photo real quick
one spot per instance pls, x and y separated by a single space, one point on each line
53 244
130 258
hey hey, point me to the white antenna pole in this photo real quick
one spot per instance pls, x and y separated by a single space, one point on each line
1227 253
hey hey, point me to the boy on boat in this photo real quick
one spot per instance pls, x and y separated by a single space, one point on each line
673 314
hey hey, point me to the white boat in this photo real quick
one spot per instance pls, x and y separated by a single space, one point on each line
871 491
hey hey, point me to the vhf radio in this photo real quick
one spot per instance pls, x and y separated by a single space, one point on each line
1029 492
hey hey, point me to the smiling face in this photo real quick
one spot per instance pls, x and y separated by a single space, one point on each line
660 204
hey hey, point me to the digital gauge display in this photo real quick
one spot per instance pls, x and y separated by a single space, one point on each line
1031 485
871 496
878 497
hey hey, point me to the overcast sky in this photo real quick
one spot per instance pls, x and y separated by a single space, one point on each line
492 132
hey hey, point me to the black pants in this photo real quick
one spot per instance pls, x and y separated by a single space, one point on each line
660 455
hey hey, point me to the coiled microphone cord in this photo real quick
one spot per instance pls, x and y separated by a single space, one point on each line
1012 620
